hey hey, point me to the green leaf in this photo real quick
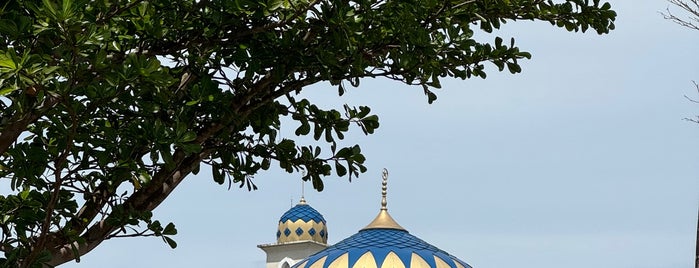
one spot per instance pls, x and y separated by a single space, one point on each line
340 89
50 8
170 242
25 193
8 61
265 164
76 253
196 169
166 155
8 90
170 229
190 148
431 97
340 169
188 136
218 174
67 6
303 129
144 177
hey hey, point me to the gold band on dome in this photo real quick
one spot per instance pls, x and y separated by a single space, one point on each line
384 220
305 235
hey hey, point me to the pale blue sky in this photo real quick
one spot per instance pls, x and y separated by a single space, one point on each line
582 160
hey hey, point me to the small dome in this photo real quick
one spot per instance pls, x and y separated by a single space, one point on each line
301 223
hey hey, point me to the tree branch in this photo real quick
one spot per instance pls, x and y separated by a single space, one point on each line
146 199
18 124
59 163
690 6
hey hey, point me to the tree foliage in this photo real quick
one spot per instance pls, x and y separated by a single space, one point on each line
107 105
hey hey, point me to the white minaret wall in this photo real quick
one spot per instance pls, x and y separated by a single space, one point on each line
290 253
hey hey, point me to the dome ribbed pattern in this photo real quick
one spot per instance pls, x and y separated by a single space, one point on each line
382 248
301 223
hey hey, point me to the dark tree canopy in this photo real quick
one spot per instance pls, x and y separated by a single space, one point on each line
107 105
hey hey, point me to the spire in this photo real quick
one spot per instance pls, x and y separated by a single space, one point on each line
384 183
303 200
384 220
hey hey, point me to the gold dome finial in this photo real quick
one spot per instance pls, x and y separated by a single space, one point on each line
384 177
384 220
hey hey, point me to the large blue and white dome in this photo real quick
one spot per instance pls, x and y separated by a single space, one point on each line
300 223
383 243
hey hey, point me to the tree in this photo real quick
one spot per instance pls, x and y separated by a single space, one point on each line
691 22
108 105
689 6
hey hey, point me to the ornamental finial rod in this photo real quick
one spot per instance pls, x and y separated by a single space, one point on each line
384 183
384 220
303 199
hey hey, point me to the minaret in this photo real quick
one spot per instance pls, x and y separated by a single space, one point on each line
301 232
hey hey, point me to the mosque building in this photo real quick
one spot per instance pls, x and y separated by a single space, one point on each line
302 238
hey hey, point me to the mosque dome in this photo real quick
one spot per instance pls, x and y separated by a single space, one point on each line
383 243
302 223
